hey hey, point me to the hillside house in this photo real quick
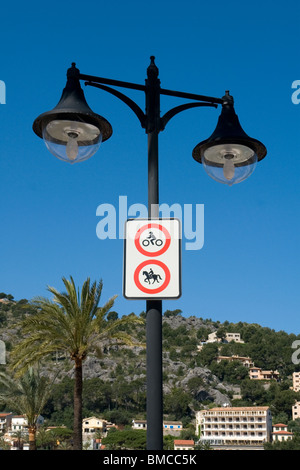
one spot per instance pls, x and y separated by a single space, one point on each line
256 373
281 433
245 361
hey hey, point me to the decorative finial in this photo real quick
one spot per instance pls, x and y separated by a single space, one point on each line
152 69
227 99
73 72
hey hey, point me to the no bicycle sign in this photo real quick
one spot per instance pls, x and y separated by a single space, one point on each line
152 259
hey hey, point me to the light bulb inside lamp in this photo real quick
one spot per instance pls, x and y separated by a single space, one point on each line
228 168
72 146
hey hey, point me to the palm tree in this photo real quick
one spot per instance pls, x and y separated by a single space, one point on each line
20 436
27 394
71 323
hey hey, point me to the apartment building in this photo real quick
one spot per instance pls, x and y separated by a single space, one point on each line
5 421
296 381
235 426
256 373
296 410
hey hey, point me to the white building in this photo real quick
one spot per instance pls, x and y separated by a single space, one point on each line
235 425
5 421
213 338
20 423
139 424
281 433
169 427
296 410
92 429
296 381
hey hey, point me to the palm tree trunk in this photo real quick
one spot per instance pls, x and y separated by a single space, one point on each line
32 441
78 405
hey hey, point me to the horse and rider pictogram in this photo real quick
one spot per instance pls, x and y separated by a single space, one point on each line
151 276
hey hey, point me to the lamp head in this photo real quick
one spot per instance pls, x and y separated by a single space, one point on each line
229 155
71 130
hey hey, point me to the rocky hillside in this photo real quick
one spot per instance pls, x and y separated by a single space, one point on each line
179 367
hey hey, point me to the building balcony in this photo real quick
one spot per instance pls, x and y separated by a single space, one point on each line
235 437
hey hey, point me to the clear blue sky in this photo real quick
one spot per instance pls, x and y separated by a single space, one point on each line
248 269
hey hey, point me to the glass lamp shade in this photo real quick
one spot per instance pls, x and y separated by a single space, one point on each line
229 163
71 141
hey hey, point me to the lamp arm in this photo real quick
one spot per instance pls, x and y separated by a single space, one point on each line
168 115
192 96
110 81
132 105
135 86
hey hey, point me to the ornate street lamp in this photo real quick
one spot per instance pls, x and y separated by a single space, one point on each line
73 132
229 155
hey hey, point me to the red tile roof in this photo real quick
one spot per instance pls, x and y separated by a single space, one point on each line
178 442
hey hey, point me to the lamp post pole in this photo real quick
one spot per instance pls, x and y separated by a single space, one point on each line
153 307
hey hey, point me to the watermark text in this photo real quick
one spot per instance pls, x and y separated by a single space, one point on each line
112 220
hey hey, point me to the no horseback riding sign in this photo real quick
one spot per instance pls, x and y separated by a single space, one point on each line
152 259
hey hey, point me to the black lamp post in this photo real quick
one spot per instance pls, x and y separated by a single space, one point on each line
73 132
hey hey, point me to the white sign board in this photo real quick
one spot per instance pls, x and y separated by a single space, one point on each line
152 259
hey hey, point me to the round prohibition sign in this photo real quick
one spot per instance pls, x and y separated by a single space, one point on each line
162 286
142 249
